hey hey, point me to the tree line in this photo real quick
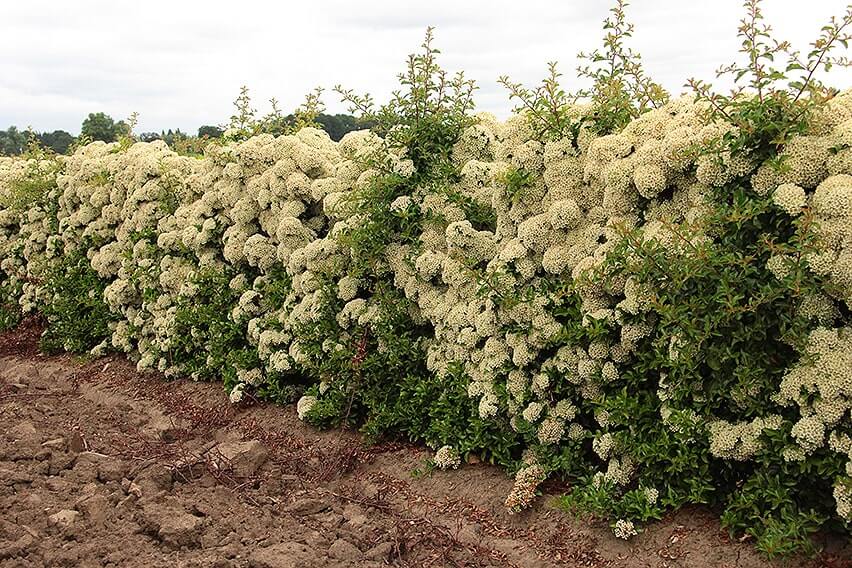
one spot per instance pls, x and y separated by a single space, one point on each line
101 126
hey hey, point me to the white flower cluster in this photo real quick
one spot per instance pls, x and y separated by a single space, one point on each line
821 388
27 239
447 458
527 480
843 498
304 405
832 208
624 529
742 440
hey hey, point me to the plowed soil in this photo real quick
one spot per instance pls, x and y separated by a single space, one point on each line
104 466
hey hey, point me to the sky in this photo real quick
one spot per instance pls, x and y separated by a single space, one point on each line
180 64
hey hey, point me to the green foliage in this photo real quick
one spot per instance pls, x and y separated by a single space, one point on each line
453 419
77 316
620 91
206 338
766 509
516 181
306 114
10 311
776 102
243 120
14 142
425 116
11 289
245 123
481 216
594 497
124 131
548 106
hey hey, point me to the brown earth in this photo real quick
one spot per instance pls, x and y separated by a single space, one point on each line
103 466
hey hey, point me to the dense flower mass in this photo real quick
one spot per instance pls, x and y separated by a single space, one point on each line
249 264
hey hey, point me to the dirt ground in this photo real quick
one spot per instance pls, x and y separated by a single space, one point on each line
103 466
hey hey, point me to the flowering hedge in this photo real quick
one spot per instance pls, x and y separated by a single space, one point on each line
659 321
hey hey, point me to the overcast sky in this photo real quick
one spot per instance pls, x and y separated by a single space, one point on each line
181 63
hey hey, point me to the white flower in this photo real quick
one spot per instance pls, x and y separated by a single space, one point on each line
236 394
304 405
400 204
624 529
651 495
789 197
447 458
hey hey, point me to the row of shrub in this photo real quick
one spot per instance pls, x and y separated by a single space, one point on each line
647 297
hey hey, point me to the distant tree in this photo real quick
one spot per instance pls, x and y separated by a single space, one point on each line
59 141
12 141
210 131
122 128
150 136
335 125
171 136
339 124
101 126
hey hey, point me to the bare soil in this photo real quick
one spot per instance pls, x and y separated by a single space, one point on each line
104 466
